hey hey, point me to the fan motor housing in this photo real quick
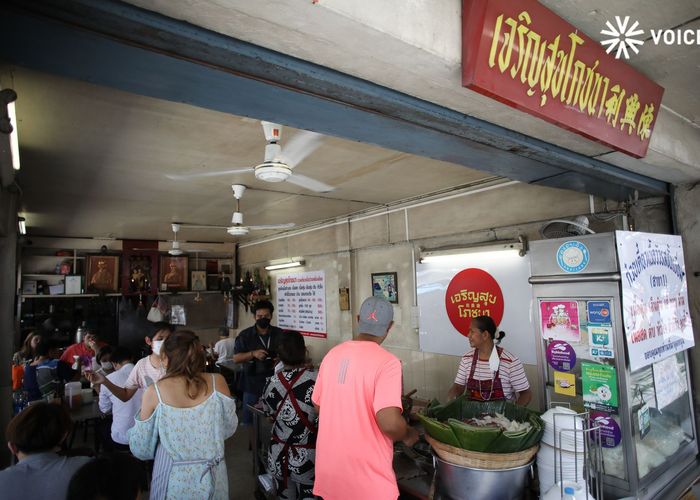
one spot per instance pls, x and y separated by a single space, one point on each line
272 171
237 230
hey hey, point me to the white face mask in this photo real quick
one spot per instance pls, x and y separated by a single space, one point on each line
107 365
156 346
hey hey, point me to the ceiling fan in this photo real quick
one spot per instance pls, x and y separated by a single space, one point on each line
278 165
174 249
237 228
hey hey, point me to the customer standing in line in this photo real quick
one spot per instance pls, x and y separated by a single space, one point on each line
358 399
287 399
257 347
184 419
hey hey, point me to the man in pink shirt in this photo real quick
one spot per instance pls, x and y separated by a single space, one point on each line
358 396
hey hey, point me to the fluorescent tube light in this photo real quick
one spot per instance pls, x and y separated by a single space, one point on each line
14 138
286 265
22 225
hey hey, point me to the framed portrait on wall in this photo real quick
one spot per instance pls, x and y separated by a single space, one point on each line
173 273
102 273
199 281
385 285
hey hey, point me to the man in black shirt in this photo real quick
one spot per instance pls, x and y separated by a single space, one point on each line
257 347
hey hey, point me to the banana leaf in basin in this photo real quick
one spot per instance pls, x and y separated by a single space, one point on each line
440 431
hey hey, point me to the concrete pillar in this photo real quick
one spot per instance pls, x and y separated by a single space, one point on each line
686 201
8 295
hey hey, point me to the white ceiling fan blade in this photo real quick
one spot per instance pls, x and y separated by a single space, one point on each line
216 173
203 226
271 226
309 183
300 146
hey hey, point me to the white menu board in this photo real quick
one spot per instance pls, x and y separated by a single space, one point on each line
654 296
301 303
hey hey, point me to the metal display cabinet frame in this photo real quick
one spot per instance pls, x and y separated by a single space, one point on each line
601 281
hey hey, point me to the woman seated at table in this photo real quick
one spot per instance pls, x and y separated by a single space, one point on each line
26 354
40 376
184 419
489 372
34 436
287 399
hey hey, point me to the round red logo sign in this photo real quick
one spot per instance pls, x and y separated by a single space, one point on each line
471 293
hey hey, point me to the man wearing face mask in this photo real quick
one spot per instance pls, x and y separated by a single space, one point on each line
146 371
256 346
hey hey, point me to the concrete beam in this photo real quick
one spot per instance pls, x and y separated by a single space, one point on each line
168 59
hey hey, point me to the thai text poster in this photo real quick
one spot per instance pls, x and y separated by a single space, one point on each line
654 296
301 303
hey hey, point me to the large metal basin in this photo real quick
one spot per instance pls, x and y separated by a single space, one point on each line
456 482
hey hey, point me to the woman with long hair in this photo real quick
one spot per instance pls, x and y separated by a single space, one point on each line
185 418
26 354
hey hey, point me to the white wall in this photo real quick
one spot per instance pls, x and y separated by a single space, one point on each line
350 251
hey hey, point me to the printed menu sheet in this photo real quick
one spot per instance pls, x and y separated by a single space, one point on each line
301 303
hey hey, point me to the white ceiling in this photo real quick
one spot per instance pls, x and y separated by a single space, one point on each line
94 159
415 48
94 162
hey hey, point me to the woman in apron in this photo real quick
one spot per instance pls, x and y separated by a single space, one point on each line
287 399
488 372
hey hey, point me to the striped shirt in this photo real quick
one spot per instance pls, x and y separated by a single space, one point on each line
511 373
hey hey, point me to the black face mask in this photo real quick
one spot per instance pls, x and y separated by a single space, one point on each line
263 323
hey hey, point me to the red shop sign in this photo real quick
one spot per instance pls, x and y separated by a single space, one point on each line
524 55
473 292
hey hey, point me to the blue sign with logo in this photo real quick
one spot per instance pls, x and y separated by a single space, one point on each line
573 257
598 311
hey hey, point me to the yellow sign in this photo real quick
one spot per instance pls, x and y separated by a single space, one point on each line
565 383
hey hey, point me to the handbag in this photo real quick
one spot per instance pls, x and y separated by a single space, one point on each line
155 315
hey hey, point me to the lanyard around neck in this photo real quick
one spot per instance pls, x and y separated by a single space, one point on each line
266 346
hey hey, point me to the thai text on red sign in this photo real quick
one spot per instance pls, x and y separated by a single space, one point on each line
526 56
473 292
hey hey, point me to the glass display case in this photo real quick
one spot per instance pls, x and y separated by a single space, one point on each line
646 416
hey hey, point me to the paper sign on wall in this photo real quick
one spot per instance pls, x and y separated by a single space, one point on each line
599 387
301 303
669 382
654 296
565 383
